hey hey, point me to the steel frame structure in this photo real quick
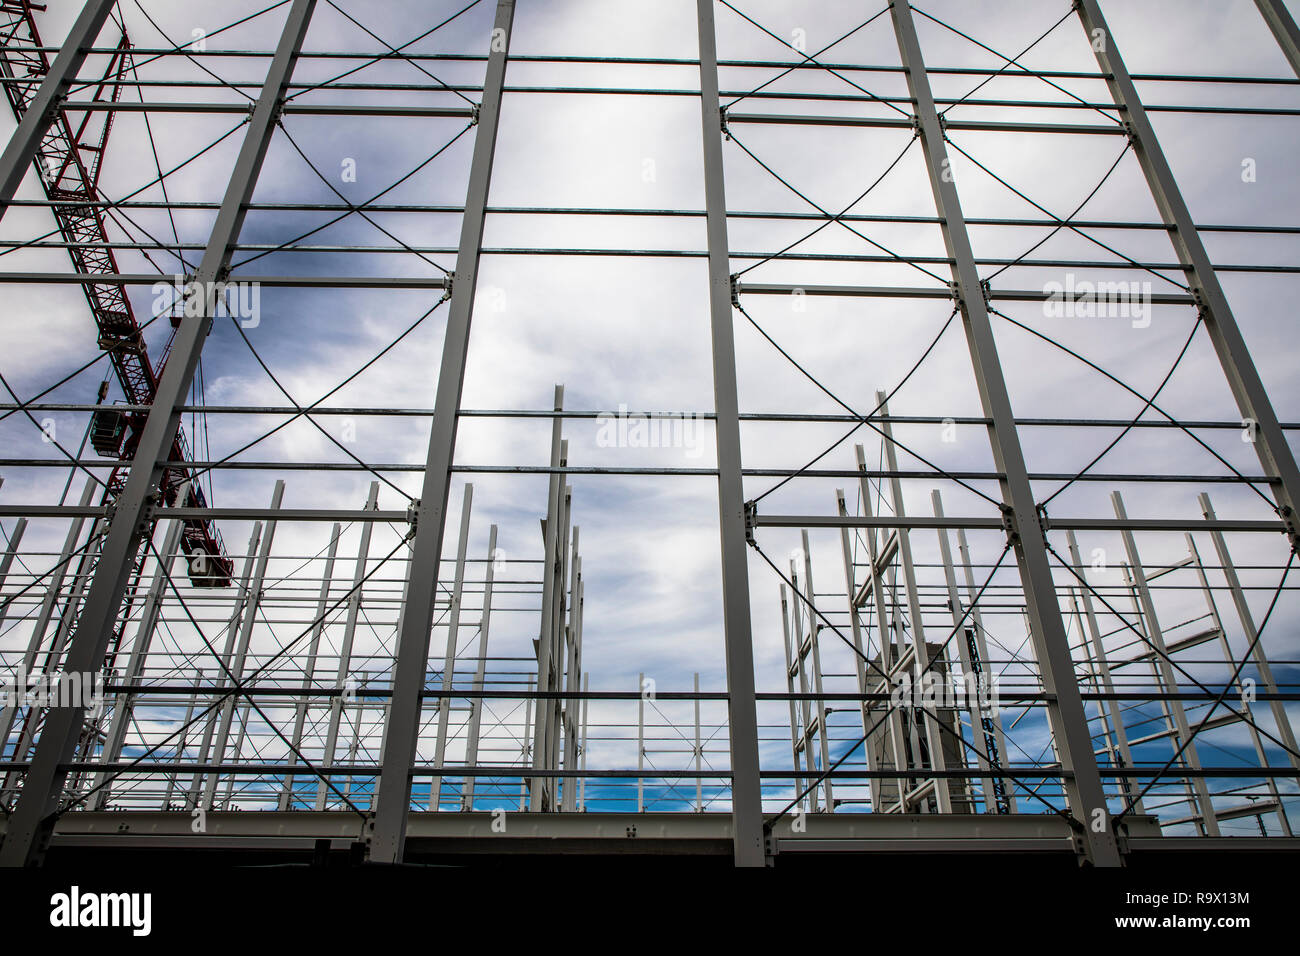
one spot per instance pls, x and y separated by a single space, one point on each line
345 699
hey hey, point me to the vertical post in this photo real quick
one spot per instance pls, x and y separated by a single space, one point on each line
742 709
790 671
1170 680
640 742
123 706
1284 29
1257 412
15 539
45 106
582 786
1081 779
920 647
449 657
1115 707
480 675
232 630
309 668
245 640
699 751
33 818
1284 730
540 787
393 802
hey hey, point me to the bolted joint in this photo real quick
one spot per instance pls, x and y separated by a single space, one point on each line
735 290
751 521
1009 524
722 122
473 114
412 517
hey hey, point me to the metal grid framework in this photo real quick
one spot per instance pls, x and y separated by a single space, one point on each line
356 675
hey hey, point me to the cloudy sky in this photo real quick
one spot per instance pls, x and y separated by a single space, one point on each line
633 330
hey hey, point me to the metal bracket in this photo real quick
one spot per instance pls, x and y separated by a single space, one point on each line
751 520
722 115
412 517
735 291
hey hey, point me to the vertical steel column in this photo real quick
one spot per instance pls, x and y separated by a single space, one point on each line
1284 730
819 689
33 818
345 648
124 705
1166 671
742 709
449 657
309 666
541 787
394 800
640 742
789 684
480 675
920 647
236 667
699 751
232 630
968 675
46 104
1271 446
1115 707
1081 777
893 721
1284 29
1245 714
859 663
582 749
804 743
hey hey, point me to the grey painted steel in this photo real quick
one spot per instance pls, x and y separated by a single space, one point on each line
43 110
123 706
235 664
42 792
1203 803
480 673
1275 455
1083 785
345 649
1284 729
309 667
411 659
1284 29
449 656
742 714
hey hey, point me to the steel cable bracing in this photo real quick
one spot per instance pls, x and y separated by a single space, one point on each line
1146 404
837 218
391 50
865 420
811 59
807 58
226 692
302 411
1010 61
1227 686
229 675
1066 224
1174 421
902 260
395 50
358 209
1156 651
892 706
1013 62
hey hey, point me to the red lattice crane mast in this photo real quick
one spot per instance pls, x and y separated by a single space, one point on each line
69 162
